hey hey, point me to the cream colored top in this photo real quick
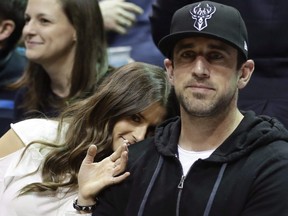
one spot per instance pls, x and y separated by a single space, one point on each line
13 175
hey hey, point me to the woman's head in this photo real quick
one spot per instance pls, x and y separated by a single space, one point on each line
133 102
134 128
48 34
124 95
56 30
128 102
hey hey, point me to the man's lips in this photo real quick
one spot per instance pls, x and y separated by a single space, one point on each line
200 87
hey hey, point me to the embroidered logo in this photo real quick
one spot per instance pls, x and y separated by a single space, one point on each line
201 15
245 46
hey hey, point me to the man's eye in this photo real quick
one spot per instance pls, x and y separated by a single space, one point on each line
187 54
215 56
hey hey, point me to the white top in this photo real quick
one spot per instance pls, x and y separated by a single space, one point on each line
12 175
188 158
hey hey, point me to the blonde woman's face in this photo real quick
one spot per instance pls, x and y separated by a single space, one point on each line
135 128
48 35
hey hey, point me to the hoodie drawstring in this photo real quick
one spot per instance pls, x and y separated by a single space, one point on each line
151 183
214 191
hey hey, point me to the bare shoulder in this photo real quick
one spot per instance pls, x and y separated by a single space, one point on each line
9 143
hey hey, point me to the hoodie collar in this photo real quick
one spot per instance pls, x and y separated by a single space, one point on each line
252 132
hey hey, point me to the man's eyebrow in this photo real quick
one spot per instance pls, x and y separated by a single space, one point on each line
184 46
221 47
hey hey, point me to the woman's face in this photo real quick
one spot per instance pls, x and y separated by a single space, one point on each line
135 128
48 35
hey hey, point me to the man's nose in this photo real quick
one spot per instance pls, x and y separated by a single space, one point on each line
200 68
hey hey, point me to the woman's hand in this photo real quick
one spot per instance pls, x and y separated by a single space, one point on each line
93 177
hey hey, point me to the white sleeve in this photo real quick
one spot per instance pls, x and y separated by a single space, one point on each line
5 164
73 213
36 129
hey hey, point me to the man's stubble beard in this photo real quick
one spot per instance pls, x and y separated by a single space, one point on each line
196 105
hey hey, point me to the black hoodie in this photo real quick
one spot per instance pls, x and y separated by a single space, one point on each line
247 175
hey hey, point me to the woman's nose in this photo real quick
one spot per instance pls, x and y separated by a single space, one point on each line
139 133
29 28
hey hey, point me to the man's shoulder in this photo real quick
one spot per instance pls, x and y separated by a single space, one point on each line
139 149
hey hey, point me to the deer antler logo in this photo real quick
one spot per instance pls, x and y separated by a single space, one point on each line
201 14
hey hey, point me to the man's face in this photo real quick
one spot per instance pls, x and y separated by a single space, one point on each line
204 75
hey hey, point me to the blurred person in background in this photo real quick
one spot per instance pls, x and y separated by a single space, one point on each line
12 63
129 33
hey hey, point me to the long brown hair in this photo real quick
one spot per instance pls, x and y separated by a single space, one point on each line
90 62
126 91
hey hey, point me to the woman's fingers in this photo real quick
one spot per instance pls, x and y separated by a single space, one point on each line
90 155
120 164
120 178
117 154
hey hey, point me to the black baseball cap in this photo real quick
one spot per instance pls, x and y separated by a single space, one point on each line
208 19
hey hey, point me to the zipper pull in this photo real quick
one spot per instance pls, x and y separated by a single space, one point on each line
181 183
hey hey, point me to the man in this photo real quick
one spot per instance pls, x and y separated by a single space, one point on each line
213 160
266 23
12 63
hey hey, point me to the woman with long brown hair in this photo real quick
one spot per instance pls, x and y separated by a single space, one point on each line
40 158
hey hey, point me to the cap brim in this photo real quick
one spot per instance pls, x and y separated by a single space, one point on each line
167 43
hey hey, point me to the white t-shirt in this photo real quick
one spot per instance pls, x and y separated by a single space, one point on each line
188 158
12 175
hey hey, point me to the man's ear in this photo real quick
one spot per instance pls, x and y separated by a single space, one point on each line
169 69
245 73
6 29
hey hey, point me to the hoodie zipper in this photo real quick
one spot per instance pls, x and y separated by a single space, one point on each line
181 184
180 187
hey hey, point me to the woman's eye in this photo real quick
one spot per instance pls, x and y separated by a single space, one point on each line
136 118
27 19
44 21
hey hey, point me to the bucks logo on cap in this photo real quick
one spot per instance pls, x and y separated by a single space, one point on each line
201 14
206 18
